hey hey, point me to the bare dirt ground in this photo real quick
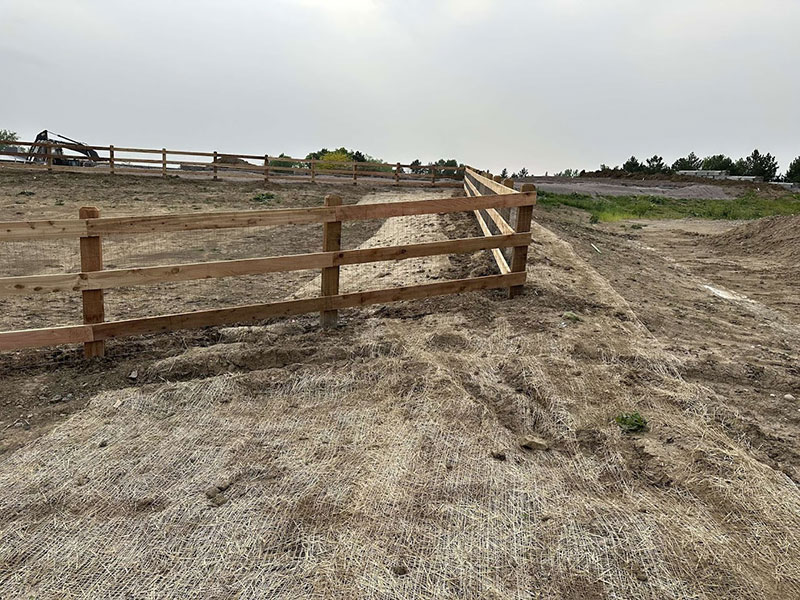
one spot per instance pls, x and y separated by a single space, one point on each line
594 186
383 459
41 196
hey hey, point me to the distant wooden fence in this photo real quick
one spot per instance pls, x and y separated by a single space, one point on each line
140 161
91 282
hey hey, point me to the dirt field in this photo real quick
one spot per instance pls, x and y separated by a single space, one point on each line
595 186
383 459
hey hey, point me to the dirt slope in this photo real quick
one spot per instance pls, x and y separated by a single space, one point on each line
365 462
772 237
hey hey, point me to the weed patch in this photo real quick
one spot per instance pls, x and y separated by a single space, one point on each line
263 197
631 422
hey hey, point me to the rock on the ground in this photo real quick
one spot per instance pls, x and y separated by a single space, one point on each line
533 442
219 500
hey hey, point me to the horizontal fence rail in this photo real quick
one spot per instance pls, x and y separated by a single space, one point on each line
92 280
475 186
49 156
70 228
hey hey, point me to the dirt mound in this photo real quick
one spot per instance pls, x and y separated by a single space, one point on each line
771 237
622 187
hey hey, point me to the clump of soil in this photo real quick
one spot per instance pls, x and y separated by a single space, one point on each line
773 237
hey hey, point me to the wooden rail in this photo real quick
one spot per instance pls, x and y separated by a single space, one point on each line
473 181
70 228
121 159
93 280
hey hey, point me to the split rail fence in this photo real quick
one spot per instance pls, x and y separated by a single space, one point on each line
91 282
164 163
496 221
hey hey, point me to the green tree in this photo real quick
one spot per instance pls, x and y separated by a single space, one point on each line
656 164
447 162
335 159
632 165
793 173
739 168
567 173
761 165
687 163
286 164
316 155
416 166
717 162
6 135
523 172
504 173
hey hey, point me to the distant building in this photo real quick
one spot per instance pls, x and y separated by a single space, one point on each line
720 175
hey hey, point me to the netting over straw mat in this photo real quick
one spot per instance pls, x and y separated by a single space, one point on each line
382 460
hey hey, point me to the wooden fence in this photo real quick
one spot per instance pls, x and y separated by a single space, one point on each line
164 163
492 219
91 282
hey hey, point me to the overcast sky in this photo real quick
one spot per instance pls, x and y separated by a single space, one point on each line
545 84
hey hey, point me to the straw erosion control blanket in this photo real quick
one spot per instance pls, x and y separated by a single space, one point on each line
460 447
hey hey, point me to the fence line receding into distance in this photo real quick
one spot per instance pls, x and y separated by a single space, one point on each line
48 156
92 280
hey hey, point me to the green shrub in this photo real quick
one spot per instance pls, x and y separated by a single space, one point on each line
631 422
263 197
335 160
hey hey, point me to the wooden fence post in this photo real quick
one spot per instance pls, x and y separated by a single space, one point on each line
509 183
331 242
433 175
354 174
397 173
266 168
111 158
519 255
497 178
49 158
215 165
164 162
313 177
92 260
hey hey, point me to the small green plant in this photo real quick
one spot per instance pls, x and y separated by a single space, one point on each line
631 422
594 219
59 202
263 197
571 316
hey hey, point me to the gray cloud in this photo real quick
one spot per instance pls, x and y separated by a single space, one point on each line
545 84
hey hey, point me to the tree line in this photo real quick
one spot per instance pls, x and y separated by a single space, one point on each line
754 165
339 158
